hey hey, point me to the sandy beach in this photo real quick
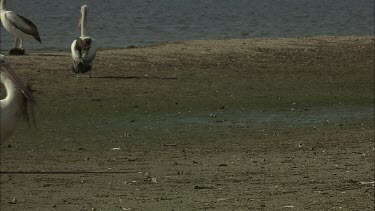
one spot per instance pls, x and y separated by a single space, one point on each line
242 124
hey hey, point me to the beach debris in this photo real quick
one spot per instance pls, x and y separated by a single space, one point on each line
223 164
149 178
367 183
130 158
289 206
116 148
53 205
361 183
201 187
169 145
14 201
213 115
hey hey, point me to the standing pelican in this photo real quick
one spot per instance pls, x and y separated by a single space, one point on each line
14 105
18 26
83 48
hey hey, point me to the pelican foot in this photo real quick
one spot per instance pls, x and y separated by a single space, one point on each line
17 51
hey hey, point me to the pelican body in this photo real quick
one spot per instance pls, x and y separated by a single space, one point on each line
83 48
18 26
14 105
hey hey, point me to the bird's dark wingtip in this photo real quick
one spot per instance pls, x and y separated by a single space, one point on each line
38 38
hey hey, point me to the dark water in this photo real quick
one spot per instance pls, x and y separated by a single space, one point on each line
119 23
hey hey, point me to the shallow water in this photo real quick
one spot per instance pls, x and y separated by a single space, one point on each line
313 117
117 24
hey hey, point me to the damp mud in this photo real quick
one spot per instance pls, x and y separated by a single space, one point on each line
243 124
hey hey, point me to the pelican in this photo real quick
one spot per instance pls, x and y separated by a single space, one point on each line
18 26
83 48
14 105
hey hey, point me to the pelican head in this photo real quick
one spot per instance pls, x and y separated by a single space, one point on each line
83 9
83 14
7 69
82 21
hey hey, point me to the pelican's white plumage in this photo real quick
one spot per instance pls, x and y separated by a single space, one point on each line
14 105
18 26
83 48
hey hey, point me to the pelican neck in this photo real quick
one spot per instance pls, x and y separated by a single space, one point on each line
2 5
83 25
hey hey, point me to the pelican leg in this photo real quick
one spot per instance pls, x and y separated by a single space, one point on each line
16 42
21 43
17 49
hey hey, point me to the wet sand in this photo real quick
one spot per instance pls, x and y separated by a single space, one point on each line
251 124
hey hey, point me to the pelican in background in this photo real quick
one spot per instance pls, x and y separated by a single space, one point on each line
83 48
18 26
14 105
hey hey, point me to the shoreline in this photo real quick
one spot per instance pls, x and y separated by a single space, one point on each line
252 39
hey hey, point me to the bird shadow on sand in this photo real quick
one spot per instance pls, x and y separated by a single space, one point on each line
49 54
133 77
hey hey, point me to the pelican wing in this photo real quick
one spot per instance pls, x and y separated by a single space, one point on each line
91 53
23 24
24 89
86 49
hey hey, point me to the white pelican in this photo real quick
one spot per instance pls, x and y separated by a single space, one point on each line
18 26
14 105
83 48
